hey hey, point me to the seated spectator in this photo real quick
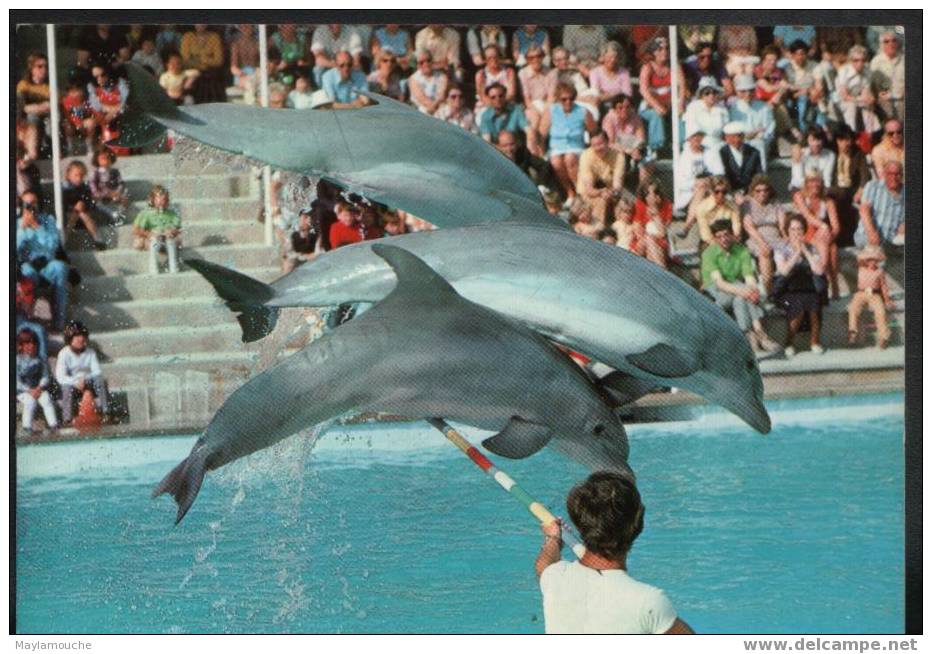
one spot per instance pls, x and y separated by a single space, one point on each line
763 220
322 210
32 102
715 208
77 370
278 96
526 37
167 41
624 225
888 76
101 43
802 84
707 113
107 98
815 156
25 313
821 218
584 223
695 162
883 209
28 177
890 148
610 78
799 286
346 230
148 57
705 63
327 41
784 36
494 73
455 110
428 85
872 292
728 276
244 61
738 46
694 37
855 97
290 43
370 224
477 40
584 44
107 188
386 77
655 85
756 115
443 44
565 73
342 83
301 245
537 86
301 96
32 381
158 227
178 82
39 251
850 175
625 129
77 119
502 116
533 166
653 213
395 40
566 124
78 201
772 86
393 224
601 177
202 50
740 161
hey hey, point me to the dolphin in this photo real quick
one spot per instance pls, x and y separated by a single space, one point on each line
602 301
423 351
389 152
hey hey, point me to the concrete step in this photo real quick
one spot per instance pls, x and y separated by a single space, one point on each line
114 346
835 327
210 209
146 287
197 234
234 367
181 312
182 187
134 262
145 166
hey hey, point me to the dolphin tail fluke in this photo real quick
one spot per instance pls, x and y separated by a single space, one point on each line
243 294
146 103
184 482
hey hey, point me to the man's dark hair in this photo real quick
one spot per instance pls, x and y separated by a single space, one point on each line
797 45
496 85
72 329
720 225
607 511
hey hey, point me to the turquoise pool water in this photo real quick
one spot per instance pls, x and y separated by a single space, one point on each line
391 529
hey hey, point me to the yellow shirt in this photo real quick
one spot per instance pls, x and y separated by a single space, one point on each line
707 213
595 171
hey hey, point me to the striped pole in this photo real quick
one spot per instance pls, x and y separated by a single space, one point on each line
537 509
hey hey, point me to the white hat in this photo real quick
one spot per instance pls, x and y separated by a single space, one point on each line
734 127
319 99
709 82
745 83
693 131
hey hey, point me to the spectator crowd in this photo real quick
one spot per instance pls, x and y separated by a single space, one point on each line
586 111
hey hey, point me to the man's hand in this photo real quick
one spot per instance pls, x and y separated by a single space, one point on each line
79 383
553 529
35 392
751 294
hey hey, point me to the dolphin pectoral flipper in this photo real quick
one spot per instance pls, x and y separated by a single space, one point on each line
664 361
184 481
243 294
519 439
625 389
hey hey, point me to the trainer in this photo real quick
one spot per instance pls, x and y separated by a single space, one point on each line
595 595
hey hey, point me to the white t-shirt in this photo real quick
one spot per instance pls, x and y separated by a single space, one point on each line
581 600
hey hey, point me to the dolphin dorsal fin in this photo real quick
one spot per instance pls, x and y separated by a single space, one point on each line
414 275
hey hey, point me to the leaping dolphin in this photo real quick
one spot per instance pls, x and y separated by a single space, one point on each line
390 152
423 352
600 300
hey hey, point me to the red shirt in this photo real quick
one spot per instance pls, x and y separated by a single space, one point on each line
340 234
641 215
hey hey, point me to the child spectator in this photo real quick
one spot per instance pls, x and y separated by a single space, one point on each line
25 301
394 40
872 292
302 97
32 380
160 227
624 225
302 243
77 369
107 97
652 215
107 187
385 77
177 82
148 57
370 223
346 229
78 118
78 201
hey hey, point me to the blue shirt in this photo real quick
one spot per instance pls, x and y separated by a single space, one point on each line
790 33
887 209
397 42
32 243
340 90
512 120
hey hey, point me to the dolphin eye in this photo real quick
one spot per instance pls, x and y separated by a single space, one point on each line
598 429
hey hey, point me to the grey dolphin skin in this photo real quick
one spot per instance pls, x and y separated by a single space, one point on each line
389 152
423 351
596 299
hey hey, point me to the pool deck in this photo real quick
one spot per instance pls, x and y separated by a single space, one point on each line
836 372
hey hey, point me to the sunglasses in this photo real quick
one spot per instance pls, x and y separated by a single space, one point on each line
344 65
896 131
29 206
719 191
566 99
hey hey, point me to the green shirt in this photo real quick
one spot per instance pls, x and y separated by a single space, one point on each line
159 220
733 265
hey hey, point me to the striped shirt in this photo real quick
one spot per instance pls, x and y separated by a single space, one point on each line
887 209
